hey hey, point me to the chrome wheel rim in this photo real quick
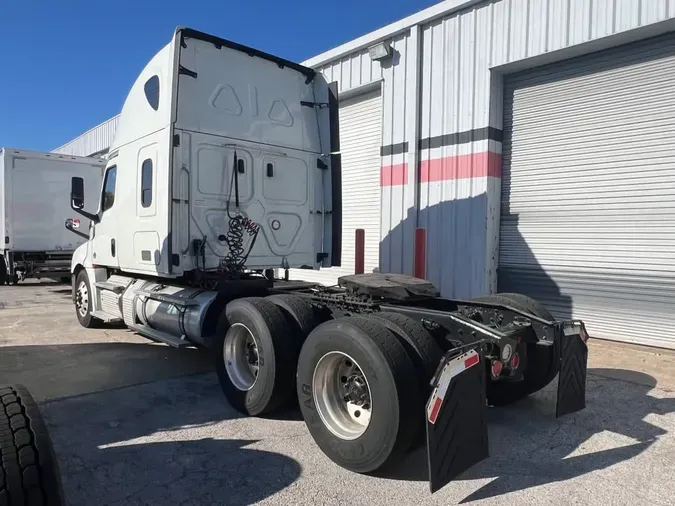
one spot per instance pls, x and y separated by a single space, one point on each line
82 299
241 357
342 395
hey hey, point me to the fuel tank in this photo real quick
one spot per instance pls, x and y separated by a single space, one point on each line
176 310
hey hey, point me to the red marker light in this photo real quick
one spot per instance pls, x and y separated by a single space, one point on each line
515 361
497 367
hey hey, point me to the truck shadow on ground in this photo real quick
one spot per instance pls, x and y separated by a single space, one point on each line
64 370
62 291
530 447
124 436
153 444
33 283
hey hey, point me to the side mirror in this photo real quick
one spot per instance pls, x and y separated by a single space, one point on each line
77 193
73 224
77 203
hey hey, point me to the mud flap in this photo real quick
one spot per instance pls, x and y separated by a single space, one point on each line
573 366
457 435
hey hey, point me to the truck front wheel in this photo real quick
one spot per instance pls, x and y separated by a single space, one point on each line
83 297
358 392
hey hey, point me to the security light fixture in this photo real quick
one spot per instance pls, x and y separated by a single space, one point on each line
380 51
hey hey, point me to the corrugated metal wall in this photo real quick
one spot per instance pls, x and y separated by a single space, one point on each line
455 138
461 117
398 217
94 141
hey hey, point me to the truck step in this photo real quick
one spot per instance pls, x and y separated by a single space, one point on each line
144 330
104 285
106 317
171 299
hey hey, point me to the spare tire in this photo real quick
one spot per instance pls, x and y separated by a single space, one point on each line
255 360
29 473
542 361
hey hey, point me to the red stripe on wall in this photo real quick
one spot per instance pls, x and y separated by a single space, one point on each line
486 164
394 175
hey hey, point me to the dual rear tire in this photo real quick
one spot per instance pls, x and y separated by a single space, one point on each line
542 361
355 367
258 349
361 381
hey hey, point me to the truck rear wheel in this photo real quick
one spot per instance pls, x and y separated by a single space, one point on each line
83 297
255 360
422 349
29 471
542 362
358 393
298 313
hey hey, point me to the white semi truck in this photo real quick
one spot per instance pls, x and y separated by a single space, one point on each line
33 210
226 166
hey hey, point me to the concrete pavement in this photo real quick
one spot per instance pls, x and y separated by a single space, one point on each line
138 423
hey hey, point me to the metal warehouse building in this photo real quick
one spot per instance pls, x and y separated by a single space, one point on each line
534 141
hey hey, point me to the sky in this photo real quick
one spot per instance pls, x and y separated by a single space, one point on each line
66 65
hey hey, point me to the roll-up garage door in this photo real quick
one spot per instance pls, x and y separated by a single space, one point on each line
588 190
360 140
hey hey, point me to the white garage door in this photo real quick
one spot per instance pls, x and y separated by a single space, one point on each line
360 140
588 190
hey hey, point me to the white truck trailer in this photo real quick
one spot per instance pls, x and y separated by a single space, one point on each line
226 166
33 210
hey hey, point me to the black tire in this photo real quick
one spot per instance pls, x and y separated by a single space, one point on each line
393 384
29 473
422 349
14 279
299 314
86 320
542 362
533 306
4 277
275 382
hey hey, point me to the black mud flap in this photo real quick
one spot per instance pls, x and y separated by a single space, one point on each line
457 435
573 366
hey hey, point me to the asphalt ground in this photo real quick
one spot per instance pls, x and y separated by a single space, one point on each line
138 423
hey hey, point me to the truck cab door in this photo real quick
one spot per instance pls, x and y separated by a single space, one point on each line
104 246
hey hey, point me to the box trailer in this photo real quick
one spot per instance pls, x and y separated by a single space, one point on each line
225 166
33 211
